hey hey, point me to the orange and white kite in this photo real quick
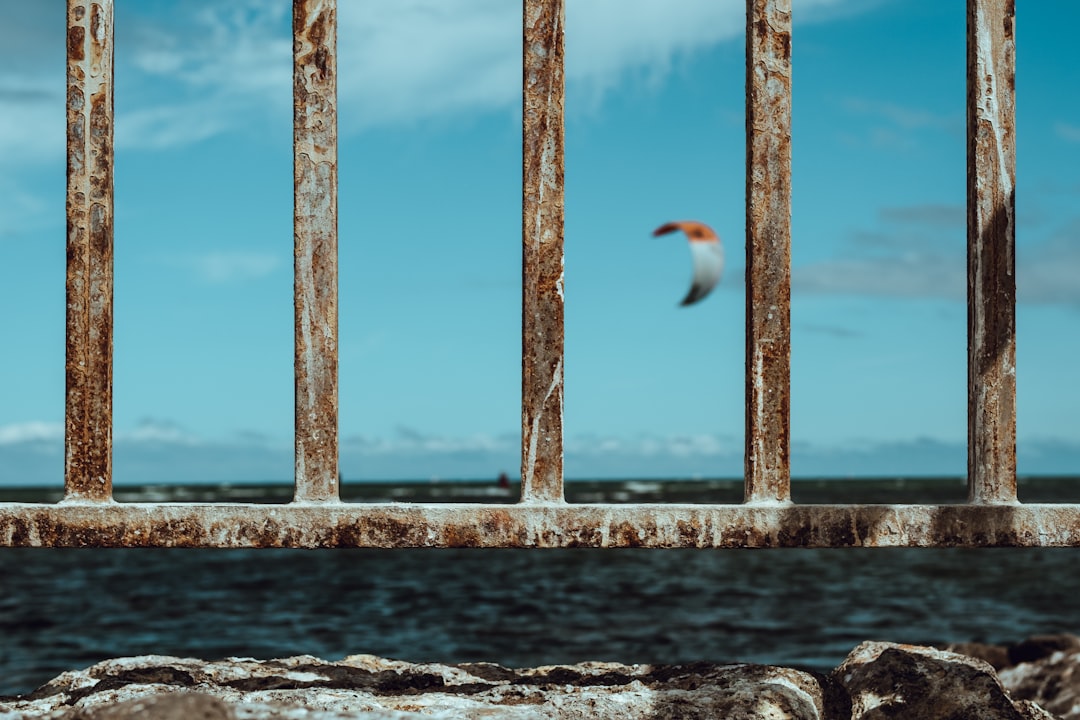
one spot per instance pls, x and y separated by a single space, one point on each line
707 253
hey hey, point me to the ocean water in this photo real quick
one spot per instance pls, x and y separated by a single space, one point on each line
64 608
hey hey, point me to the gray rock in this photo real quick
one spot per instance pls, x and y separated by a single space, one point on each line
363 686
1038 647
876 681
171 706
996 655
1053 682
886 680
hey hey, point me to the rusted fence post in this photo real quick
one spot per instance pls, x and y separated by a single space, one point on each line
87 518
315 248
991 207
768 250
88 405
542 252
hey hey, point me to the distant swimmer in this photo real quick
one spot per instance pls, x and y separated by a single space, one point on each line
706 252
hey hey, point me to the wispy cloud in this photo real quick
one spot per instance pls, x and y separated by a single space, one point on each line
410 440
1047 272
920 253
167 126
1068 132
220 267
32 125
33 431
201 68
900 116
154 431
643 446
915 274
914 251
836 331
938 215
897 126
162 458
160 451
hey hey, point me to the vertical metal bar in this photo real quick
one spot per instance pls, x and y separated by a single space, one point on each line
542 252
991 204
315 248
88 403
768 250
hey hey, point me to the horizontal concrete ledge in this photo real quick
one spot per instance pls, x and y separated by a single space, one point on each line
397 525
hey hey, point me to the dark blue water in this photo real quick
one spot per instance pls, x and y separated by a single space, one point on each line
64 609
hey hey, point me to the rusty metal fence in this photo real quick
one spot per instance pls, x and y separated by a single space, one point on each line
316 518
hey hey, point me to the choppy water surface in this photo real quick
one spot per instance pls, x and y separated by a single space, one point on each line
63 609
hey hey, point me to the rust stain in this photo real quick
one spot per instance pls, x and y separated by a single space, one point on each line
75 40
338 525
89 285
768 251
316 519
991 205
315 248
542 194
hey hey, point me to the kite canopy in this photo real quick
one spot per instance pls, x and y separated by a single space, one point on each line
706 252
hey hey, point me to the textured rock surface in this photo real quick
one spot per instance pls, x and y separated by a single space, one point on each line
1051 681
1043 669
876 681
363 686
885 680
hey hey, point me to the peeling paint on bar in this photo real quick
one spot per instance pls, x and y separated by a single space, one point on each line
315 228
768 250
542 252
89 344
991 202
339 525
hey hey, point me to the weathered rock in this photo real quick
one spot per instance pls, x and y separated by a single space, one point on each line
996 655
886 680
363 686
1053 682
171 706
1041 669
876 681
1038 647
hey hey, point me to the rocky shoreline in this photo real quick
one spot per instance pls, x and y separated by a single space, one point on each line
1037 678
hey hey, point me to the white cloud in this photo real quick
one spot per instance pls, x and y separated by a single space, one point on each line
900 116
203 68
159 451
897 126
150 430
165 126
914 274
678 446
32 125
920 252
1068 132
408 440
931 214
218 267
33 431
1047 272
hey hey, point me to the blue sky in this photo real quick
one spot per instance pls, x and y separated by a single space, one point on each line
429 239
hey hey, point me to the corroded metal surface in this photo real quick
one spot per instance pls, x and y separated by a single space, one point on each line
315 235
991 202
332 525
88 412
88 517
542 253
768 250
